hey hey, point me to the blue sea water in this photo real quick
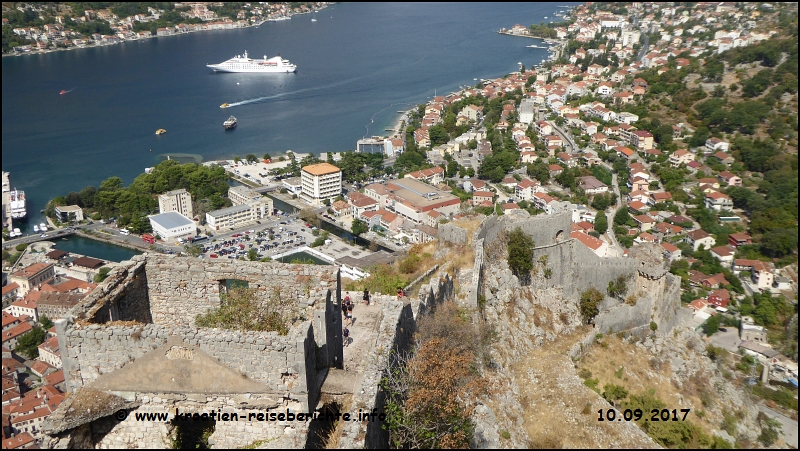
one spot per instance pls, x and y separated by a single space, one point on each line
357 66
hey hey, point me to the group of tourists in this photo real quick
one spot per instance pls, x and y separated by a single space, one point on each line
347 312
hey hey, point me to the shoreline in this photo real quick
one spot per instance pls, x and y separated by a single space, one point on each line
139 39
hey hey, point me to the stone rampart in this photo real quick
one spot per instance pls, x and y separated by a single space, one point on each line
136 334
122 296
180 288
437 291
575 268
452 234
395 334
474 289
278 362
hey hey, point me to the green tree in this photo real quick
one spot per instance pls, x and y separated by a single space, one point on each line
520 254
618 286
589 304
358 227
45 322
267 157
711 325
601 222
192 250
28 343
252 254
622 217
102 274
613 393
251 158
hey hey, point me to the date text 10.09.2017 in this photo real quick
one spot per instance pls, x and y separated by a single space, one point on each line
638 414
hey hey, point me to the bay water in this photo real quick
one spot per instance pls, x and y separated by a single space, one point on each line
358 64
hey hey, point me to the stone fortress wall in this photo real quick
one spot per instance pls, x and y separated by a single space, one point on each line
149 302
575 268
140 321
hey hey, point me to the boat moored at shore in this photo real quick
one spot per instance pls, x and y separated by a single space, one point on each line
17 202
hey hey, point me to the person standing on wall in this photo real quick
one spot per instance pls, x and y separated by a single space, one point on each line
366 296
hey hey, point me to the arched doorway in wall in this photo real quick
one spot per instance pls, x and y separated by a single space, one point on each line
559 236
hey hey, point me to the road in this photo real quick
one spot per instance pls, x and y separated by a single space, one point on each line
611 236
645 46
567 138
788 426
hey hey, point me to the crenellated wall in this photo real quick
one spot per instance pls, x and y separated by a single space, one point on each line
574 269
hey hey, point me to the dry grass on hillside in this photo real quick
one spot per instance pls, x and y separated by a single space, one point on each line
642 372
555 401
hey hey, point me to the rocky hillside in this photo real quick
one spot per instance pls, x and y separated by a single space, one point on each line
545 353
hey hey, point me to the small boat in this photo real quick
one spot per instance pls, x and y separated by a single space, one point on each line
224 105
63 91
230 123
43 227
35 229
160 131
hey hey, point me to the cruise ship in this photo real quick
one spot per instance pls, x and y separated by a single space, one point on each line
17 198
241 63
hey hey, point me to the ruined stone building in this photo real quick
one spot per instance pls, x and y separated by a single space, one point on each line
132 346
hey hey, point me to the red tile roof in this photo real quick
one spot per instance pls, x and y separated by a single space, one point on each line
589 241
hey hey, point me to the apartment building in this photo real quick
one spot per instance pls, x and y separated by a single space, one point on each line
320 182
178 200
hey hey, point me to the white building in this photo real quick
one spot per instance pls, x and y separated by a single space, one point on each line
49 352
526 111
293 185
68 213
240 195
172 226
376 144
178 200
238 215
320 181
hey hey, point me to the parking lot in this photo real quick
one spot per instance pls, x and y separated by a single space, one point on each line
278 235
257 172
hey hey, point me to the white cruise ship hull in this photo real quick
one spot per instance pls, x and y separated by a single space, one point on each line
253 70
243 64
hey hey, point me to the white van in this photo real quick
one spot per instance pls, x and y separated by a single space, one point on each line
124 232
